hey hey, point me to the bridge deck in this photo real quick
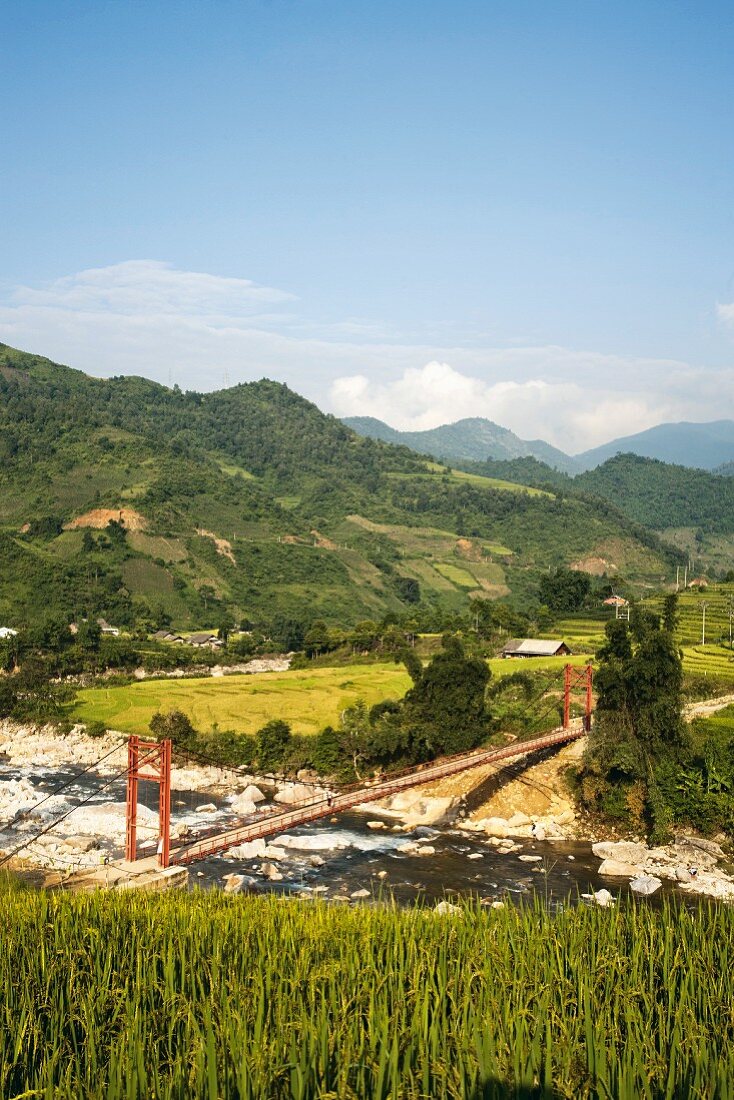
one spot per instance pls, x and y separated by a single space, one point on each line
314 809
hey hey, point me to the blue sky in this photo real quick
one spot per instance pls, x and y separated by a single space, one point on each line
416 210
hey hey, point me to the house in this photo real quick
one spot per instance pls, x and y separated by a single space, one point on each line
105 627
616 601
205 641
535 647
698 582
166 636
7 632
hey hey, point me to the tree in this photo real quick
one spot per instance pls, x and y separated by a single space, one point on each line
316 640
226 626
174 724
273 741
354 734
446 707
564 589
408 589
638 731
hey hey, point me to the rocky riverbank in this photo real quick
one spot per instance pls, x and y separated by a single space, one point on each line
485 810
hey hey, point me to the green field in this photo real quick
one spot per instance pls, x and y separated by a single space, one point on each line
456 574
308 699
125 996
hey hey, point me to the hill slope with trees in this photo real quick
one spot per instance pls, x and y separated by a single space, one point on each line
124 499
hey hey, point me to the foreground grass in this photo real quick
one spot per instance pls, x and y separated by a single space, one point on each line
202 995
308 699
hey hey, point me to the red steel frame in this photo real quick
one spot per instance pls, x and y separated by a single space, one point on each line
573 677
155 755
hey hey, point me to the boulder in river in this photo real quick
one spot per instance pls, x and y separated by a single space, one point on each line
292 793
253 849
243 807
614 868
234 883
623 851
271 872
645 885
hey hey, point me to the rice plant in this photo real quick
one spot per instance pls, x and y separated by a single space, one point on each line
173 996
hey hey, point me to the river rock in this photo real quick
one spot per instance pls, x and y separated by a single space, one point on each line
445 907
409 848
252 849
623 851
376 825
271 872
81 843
292 793
360 894
426 850
603 898
682 874
529 859
234 883
251 793
243 806
314 842
645 885
519 820
207 808
273 851
566 818
614 868
709 846
494 826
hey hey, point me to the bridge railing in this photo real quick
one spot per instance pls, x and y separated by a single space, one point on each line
317 808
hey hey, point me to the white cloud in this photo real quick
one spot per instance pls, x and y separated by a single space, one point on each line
725 312
567 413
201 330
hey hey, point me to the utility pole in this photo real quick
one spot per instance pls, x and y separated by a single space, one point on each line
677 577
703 623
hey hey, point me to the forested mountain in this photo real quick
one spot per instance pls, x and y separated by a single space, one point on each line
701 445
663 495
471 440
251 501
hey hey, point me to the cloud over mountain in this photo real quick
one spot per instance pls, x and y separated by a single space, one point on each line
203 330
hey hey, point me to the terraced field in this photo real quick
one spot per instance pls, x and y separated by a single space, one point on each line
719 603
308 699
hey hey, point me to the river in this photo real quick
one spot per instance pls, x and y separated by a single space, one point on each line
335 859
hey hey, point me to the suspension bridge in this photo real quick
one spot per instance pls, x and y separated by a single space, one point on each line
150 761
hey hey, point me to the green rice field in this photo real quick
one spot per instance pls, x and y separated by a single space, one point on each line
308 699
170 996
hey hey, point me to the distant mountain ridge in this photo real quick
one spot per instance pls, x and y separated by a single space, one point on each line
706 446
473 439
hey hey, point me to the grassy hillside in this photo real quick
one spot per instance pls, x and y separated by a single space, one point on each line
251 501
